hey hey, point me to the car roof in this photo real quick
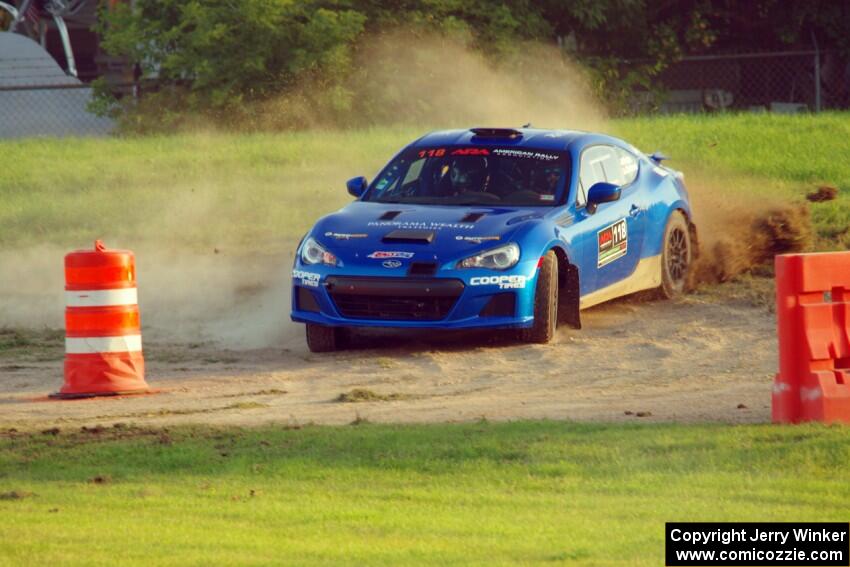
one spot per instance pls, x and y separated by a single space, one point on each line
536 138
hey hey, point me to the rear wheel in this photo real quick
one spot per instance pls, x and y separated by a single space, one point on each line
545 303
324 339
676 256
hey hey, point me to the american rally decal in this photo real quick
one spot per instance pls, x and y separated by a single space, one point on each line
613 241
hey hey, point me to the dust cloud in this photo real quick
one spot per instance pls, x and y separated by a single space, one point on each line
236 300
444 84
439 82
31 284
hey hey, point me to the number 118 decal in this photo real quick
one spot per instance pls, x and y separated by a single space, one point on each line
613 241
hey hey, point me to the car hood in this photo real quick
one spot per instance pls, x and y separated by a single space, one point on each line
378 226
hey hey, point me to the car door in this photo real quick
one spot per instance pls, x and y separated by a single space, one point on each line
612 236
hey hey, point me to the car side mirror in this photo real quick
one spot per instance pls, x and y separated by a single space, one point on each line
601 192
357 186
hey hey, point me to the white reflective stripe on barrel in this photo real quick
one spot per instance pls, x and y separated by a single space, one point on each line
101 297
91 345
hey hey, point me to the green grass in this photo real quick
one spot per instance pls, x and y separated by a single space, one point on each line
540 493
263 190
773 156
802 149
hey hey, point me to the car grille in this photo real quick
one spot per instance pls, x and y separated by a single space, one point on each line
394 299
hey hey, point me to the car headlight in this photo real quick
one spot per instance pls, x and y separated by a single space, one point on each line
500 258
314 253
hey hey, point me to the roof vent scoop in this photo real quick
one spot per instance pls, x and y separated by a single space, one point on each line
507 133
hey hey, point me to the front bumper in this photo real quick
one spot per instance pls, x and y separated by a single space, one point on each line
455 300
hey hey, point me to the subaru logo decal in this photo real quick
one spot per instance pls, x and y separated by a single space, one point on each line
391 264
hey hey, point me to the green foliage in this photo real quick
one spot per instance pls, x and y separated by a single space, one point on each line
217 57
614 84
766 25
225 53
103 102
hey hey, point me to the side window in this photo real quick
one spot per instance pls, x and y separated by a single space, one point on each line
598 163
413 171
387 182
628 165
613 169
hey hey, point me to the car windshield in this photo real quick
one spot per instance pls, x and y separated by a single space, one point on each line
472 176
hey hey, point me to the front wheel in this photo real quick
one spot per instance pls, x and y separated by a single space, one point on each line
676 256
545 303
324 339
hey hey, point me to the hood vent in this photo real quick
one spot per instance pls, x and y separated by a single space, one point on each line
471 217
389 215
410 236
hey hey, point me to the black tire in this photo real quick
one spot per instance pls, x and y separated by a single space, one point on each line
324 339
676 257
545 303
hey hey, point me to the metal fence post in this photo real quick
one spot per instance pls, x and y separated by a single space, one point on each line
817 72
817 81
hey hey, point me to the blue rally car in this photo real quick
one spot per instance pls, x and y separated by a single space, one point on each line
495 228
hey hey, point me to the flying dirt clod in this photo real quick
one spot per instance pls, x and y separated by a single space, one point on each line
748 239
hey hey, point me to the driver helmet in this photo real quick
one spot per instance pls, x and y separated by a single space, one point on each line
468 173
551 176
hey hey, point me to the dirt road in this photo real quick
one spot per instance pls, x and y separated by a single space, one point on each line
696 359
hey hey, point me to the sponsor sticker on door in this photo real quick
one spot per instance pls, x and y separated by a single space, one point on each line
613 242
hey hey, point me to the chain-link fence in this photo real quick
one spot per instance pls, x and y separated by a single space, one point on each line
777 82
49 110
38 98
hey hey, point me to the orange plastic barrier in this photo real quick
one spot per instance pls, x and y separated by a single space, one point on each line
813 314
103 341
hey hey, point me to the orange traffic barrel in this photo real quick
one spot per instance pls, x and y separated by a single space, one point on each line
103 341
